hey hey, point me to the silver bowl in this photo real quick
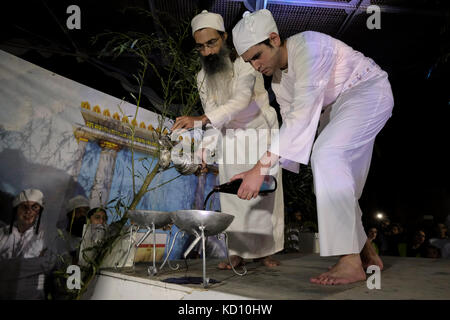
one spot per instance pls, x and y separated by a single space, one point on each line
145 218
190 221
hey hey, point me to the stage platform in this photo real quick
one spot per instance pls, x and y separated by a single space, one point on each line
402 278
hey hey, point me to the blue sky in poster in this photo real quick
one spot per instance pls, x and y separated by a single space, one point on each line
89 167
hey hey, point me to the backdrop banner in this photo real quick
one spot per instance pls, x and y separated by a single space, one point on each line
67 139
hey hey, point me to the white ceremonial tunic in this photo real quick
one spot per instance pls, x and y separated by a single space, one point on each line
324 74
20 245
258 226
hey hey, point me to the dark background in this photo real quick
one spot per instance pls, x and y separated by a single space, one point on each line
409 176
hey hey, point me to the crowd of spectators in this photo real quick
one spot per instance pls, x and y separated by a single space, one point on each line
426 240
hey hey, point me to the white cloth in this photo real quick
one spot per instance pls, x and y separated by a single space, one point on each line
325 74
77 202
258 226
20 245
252 29
207 19
29 195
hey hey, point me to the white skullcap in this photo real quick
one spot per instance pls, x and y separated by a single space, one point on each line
207 19
252 29
77 202
29 195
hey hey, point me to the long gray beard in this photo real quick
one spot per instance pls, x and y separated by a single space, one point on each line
219 84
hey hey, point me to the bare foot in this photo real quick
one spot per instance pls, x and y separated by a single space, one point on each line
235 260
268 261
370 257
347 270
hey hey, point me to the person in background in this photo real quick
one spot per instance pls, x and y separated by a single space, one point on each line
432 252
417 247
384 232
372 237
441 241
97 216
22 238
68 242
25 261
93 235
77 210
394 238
441 231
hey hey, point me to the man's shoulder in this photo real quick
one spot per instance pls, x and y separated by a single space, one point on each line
311 34
306 37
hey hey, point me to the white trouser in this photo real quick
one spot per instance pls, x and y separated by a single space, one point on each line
340 162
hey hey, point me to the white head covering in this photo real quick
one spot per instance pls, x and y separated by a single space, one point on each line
77 202
252 29
29 195
207 19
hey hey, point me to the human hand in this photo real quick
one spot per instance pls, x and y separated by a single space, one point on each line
251 183
187 122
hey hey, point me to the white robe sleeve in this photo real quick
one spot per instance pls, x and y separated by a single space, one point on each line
312 64
242 95
210 138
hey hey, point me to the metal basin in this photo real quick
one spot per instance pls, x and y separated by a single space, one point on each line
147 217
190 221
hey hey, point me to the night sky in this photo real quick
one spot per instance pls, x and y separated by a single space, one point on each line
409 176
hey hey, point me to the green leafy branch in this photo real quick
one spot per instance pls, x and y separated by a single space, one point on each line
177 80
